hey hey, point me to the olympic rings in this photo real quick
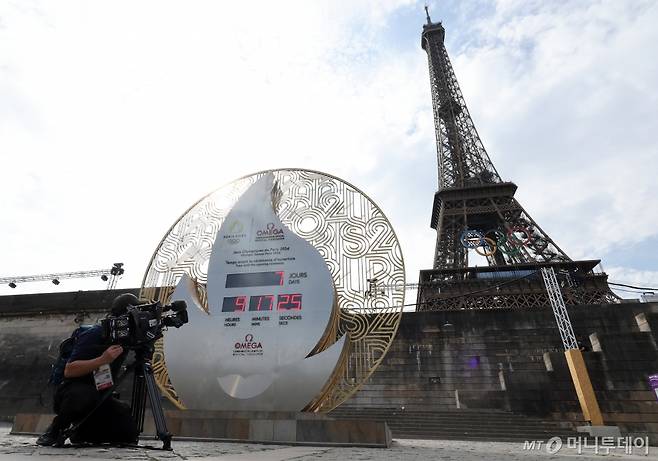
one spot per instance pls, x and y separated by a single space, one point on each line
487 243
471 239
503 242
519 230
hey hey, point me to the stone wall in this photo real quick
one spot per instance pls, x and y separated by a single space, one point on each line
513 360
503 359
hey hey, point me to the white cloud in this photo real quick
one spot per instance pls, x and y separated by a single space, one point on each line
115 117
633 277
124 114
564 94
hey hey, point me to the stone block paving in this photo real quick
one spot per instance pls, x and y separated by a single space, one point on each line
23 448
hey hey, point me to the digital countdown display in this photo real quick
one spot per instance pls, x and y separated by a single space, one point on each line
260 302
283 302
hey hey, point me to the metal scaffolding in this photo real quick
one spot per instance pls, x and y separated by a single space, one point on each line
111 276
559 309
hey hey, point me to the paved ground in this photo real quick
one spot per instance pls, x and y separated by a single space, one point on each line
22 448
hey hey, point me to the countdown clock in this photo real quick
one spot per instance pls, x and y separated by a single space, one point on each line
270 303
277 269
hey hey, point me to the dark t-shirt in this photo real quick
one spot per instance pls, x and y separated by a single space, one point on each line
90 345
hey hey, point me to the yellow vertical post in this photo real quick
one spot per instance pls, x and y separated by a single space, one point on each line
583 385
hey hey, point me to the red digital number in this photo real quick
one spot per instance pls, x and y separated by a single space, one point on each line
296 301
240 303
283 302
269 298
291 302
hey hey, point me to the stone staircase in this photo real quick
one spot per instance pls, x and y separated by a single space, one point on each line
484 425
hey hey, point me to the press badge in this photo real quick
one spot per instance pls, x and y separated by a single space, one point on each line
103 377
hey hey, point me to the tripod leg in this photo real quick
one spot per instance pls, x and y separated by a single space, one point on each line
138 399
156 407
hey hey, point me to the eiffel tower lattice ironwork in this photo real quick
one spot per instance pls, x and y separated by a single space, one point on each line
474 209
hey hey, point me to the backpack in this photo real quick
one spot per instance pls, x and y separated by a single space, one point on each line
65 351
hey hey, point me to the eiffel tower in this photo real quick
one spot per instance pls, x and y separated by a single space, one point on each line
475 210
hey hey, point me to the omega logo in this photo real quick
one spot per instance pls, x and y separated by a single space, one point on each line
249 343
270 231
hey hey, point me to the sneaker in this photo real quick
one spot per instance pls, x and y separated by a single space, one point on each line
53 437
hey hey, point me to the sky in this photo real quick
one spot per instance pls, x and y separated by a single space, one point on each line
115 117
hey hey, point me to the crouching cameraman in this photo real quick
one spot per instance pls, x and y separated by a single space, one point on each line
91 370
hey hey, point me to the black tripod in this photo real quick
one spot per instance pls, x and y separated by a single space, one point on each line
144 384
